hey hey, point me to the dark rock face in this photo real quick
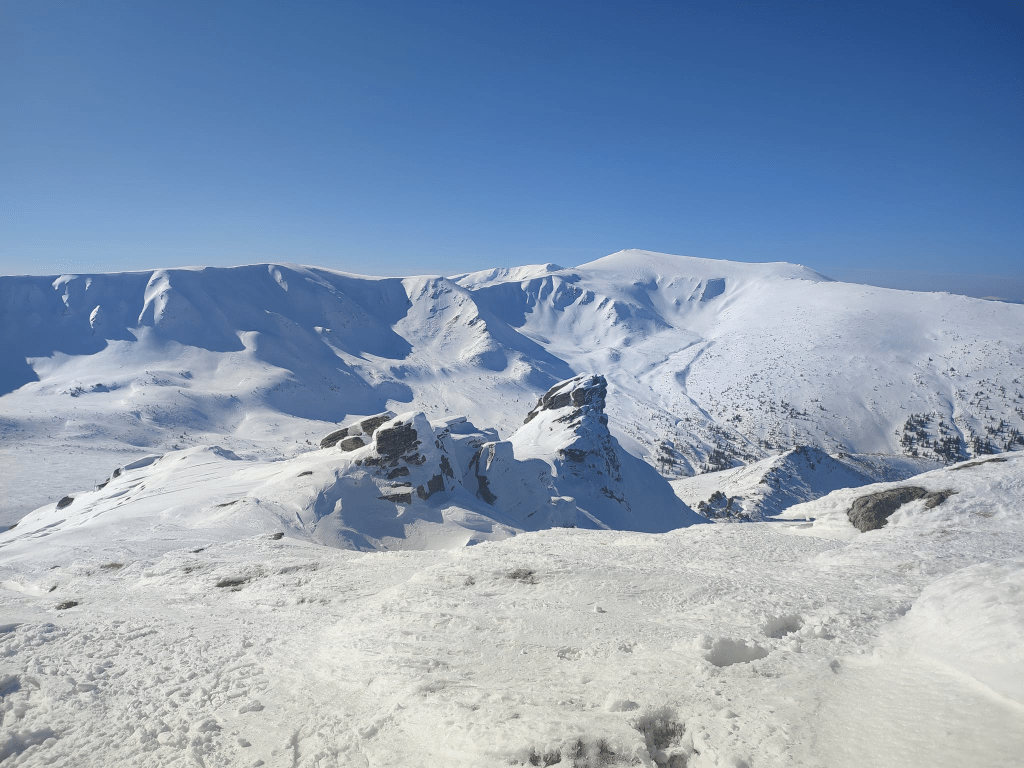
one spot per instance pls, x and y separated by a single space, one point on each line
446 468
66 501
366 427
718 505
332 439
871 512
582 393
370 423
351 443
434 485
397 498
396 441
483 490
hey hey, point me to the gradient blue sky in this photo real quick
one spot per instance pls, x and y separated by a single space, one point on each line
410 137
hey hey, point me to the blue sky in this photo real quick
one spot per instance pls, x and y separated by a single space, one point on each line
875 141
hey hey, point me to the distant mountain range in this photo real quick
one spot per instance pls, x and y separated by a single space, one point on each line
710 365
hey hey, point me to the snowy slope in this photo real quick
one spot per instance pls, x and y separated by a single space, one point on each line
710 364
770 644
387 482
770 486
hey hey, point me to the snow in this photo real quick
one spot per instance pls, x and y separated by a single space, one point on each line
759 644
218 590
770 486
710 364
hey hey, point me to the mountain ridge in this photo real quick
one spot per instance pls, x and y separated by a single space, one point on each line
711 364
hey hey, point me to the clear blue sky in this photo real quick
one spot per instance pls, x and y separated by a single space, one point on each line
395 138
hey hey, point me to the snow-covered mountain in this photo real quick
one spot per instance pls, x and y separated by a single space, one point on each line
709 364
190 440
770 486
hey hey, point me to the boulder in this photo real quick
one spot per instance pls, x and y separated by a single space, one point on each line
871 512
365 427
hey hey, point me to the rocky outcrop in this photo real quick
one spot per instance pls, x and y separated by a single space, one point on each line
406 446
356 435
871 512
568 429
720 506
566 470
581 394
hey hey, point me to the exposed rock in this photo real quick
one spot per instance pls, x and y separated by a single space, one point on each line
970 464
65 502
370 423
446 468
483 489
351 443
332 439
568 430
394 441
582 393
424 467
366 427
871 512
720 506
434 485
397 498
935 498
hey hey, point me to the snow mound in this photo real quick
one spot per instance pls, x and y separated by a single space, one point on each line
973 621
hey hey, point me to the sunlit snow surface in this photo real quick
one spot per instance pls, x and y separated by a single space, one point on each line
797 642
208 605
700 355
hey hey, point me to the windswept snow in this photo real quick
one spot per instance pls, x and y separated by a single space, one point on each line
766 644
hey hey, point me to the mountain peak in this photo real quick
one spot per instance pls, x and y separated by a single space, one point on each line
584 394
652 263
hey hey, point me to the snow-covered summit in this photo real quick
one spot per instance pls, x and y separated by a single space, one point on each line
632 262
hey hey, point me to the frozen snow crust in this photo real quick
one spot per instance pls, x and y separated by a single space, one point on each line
709 364
137 641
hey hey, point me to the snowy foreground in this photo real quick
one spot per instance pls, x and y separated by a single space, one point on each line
795 642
